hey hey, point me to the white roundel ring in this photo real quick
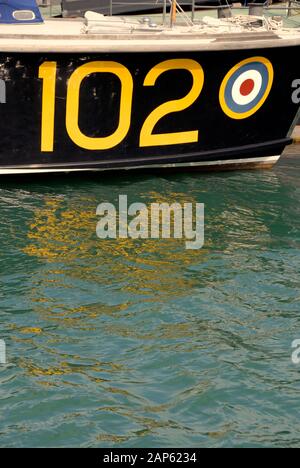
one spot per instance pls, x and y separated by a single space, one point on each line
246 87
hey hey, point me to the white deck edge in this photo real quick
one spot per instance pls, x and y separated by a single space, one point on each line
68 45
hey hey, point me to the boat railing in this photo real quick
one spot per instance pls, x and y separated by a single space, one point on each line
293 5
225 9
187 10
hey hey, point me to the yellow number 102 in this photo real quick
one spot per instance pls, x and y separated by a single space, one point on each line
48 71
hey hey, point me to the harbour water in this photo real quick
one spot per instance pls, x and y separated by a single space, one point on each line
127 343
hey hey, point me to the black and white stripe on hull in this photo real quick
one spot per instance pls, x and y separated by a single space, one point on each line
268 161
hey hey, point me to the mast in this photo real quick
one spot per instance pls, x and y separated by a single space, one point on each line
173 13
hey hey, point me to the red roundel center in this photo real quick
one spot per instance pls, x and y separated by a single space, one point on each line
247 87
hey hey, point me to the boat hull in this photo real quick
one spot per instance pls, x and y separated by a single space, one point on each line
113 111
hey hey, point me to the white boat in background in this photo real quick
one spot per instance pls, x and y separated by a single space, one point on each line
77 8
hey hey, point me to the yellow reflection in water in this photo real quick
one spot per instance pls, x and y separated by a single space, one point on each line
62 235
67 234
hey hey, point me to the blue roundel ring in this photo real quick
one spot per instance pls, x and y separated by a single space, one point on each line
261 73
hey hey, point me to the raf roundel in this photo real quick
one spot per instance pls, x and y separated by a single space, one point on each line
246 87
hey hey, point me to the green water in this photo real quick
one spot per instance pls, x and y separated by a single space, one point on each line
145 344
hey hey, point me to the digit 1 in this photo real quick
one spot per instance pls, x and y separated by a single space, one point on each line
47 72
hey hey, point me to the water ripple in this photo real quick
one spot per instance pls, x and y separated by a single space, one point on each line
130 343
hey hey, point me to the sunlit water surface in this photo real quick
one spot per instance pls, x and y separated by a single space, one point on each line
142 343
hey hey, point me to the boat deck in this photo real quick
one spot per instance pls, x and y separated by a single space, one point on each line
277 9
50 28
128 34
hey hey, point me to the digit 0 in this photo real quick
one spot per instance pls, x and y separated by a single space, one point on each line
73 97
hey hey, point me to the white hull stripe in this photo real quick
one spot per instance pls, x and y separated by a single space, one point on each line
39 170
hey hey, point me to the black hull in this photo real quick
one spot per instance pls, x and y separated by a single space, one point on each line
35 140
249 156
